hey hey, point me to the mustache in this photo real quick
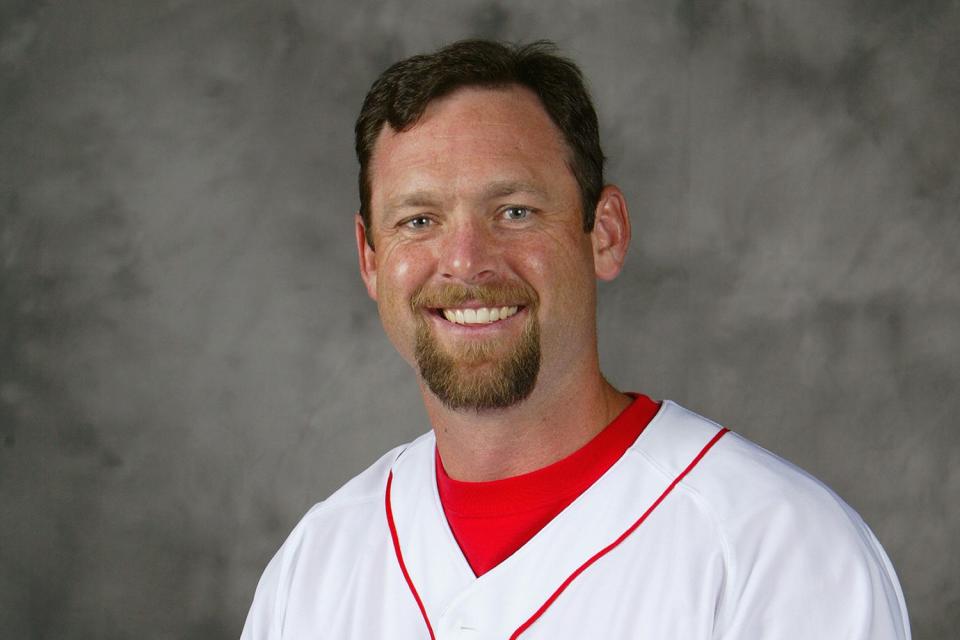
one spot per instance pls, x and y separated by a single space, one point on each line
492 295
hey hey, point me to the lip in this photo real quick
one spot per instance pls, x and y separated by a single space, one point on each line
480 305
444 325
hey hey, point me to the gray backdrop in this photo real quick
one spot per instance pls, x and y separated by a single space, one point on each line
188 360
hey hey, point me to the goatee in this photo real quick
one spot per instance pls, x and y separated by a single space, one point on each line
473 378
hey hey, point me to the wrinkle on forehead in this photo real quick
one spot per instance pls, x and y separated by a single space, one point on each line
503 135
495 189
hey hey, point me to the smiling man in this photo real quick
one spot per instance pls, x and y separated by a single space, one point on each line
543 503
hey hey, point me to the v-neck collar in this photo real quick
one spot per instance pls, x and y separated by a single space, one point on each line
519 585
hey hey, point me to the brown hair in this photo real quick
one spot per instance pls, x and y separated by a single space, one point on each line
401 94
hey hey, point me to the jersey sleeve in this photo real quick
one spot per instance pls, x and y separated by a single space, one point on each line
265 620
261 623
810 568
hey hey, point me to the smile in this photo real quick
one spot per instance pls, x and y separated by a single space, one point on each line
481 315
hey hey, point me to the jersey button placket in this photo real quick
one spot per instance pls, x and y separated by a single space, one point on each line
460 630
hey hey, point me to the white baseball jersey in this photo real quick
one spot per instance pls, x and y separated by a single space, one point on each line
695 533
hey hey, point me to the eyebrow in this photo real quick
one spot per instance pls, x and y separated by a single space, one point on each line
499 189
414 199
510 187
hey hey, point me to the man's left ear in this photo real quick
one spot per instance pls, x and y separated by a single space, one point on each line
611 233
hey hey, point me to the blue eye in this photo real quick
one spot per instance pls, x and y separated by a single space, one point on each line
417 222
516 213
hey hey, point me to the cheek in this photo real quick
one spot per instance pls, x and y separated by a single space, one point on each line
534 263
561 266
402 270
401 273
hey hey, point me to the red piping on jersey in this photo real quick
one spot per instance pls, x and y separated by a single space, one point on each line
403 566
623 536
573 576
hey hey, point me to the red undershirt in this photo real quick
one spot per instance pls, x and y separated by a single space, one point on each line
491 520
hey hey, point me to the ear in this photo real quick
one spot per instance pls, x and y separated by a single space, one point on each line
368 258
611 233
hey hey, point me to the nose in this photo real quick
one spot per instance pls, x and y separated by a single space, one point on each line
469 252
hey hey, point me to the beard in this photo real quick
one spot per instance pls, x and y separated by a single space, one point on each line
475 378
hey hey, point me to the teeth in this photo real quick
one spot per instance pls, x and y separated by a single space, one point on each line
483 315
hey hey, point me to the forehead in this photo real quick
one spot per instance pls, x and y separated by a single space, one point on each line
468 138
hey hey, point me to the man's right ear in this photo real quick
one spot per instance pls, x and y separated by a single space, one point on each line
368 258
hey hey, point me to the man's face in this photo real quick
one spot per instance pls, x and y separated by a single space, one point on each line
482 272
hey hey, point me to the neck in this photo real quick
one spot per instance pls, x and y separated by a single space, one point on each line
549 425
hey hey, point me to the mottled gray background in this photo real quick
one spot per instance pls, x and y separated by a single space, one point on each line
188 360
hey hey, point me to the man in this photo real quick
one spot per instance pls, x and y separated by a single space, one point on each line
544 503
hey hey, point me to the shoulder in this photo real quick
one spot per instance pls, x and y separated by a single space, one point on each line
325 544
361 497
736 479
787 538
